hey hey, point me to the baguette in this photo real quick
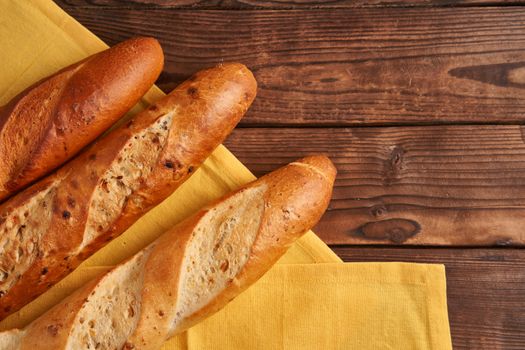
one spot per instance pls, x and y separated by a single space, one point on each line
191 271
49 122
52 226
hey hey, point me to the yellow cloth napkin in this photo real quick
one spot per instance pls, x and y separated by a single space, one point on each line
308 301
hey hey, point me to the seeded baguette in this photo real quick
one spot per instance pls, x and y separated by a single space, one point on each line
48 229
191 271
49 122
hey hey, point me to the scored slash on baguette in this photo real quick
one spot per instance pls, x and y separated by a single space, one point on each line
191 271
49 122
49 228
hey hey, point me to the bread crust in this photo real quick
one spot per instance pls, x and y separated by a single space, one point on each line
52 120
290 201
204 110
298 195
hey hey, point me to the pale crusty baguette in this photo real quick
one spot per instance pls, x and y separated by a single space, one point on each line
191 271
49 122
48 229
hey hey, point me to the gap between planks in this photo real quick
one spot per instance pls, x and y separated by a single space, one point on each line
377 66
436 186
278 5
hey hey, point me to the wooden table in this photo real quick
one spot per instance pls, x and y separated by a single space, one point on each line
419 103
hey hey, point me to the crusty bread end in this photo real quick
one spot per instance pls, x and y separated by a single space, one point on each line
191 271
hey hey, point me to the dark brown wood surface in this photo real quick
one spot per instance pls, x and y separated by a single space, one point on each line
334 77
276 4
347 66
431 185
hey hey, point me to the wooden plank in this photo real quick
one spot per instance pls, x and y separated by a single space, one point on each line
433 185
278 4
350 66
485 289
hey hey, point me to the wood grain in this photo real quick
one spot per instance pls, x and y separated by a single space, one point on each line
278 4
350 66
438 185
316 66
485 287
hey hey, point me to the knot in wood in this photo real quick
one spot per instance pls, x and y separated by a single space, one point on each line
394 230
393 165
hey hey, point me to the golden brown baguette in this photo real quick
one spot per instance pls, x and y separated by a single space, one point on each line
49 122
191 271
49 228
